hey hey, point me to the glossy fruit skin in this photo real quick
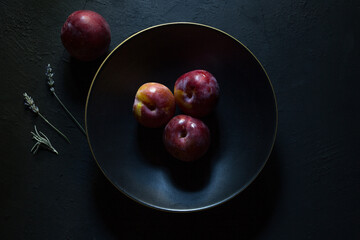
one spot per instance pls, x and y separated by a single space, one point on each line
196 93
86 35
186 138
154 105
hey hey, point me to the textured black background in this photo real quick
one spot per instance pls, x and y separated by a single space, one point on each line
310 188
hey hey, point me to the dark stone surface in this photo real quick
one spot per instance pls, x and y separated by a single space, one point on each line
310 188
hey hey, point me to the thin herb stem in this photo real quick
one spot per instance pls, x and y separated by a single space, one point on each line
57 130
50 77
68 112
29 101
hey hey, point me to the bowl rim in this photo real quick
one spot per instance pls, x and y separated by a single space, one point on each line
166 209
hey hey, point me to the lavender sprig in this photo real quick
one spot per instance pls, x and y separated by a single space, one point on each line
31 104
41 140
49 74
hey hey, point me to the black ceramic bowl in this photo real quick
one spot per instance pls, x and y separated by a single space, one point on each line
243 126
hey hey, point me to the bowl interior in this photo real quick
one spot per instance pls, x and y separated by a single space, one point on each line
243 126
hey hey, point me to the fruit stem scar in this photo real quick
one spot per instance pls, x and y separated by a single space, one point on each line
180 97
151 107
183 133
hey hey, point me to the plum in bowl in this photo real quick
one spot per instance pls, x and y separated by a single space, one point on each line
186 138
154 105
197 93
